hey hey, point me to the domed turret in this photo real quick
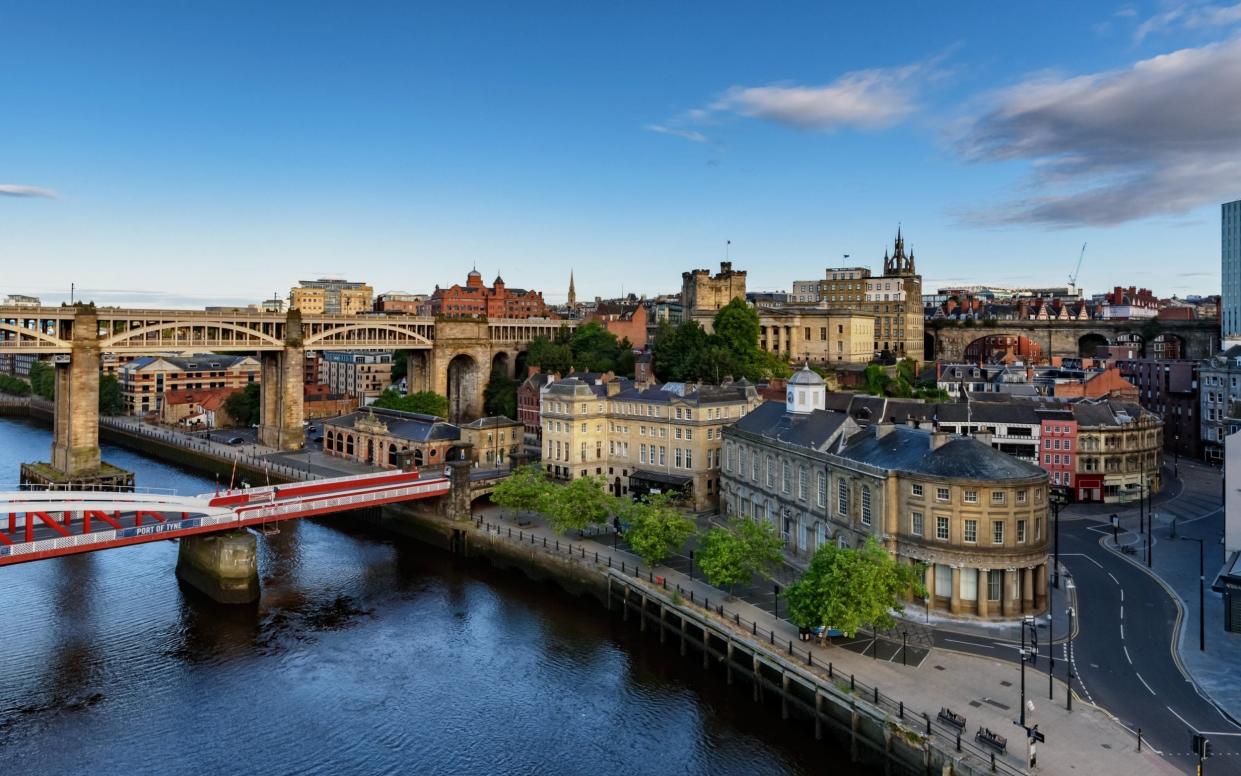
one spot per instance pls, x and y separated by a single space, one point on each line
807 392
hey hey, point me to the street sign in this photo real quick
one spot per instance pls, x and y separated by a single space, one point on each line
1035 735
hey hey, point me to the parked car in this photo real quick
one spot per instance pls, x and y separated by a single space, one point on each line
236 441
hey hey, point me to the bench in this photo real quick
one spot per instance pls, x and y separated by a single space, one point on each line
950 717
993 740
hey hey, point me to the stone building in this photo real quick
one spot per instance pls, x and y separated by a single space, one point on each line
363 375
817 335
976 518
379 437
476 300
893 299
642 438
844 287
328 296
492 441
703 294
1119 449
627 320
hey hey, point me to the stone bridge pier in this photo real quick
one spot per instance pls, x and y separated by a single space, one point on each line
281 393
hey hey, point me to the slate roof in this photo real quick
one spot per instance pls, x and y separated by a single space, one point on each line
909 450
814 430
404 425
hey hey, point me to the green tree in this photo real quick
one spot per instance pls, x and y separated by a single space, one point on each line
111 402
523 490
848 588
243 406
687 353
737 551
550 356
400 364
500 395
14 386
655 528
577 504
423 402
43 379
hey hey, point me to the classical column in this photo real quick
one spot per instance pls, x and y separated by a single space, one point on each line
1027 589
1008 593
954 605
984 587
75 431
1040 586
930 585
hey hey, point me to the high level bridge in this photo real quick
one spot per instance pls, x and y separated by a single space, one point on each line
453 357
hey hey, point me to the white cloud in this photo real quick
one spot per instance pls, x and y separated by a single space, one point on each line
1158 138
17 190
1190 16
688 134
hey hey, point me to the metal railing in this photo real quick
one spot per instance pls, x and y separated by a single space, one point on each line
946 737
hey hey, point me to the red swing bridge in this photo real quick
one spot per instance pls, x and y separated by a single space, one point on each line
48 524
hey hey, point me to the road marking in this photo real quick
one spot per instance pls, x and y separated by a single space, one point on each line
1182 719
1219 733
1144 684
1127 656
970 643
1122 600
1083 555
1122 634
1122 609
1113 576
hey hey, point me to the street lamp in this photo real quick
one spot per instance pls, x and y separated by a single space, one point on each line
1027 621
1058 498
1202 628
1069 659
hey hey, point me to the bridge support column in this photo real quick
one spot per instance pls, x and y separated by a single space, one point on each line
281 393
75 435
222 566
457 503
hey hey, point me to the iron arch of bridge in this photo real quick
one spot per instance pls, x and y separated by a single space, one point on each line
41 338
198 337
328 335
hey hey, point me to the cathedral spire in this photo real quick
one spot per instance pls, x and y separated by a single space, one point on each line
572 291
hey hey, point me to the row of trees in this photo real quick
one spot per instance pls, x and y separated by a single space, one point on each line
904 386
844 588
687 353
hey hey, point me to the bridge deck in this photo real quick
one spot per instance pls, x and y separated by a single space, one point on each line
48 524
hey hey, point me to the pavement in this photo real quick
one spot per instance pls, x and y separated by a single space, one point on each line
987 690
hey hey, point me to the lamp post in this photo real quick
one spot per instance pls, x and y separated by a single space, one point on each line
1202 629
1069 659
1058 498
1023 670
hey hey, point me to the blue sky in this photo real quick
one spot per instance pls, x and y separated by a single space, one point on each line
217 152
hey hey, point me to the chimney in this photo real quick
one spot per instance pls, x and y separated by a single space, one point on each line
613 387
984 437
882 429
939 439
531 370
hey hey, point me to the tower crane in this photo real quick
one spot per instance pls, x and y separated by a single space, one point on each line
1076 270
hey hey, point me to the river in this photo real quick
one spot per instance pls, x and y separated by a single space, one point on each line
367 654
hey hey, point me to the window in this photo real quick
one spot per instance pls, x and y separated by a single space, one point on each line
663 455
997 497
970 497
754 463
941 494
1021 531
822 488
803 482
995 579
771 472
641 453
678 432
689 433
917 489
997 532
689 458
865 505
915 523
786 477
677 457
1021 497
971 531
941 528
842 498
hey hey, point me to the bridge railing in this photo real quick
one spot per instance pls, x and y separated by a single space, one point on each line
344 501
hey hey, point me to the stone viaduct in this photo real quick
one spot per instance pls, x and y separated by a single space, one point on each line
453 357
948 340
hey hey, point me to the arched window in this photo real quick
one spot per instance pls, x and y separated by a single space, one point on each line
417 456
349 445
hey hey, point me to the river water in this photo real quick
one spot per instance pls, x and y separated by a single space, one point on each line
366 654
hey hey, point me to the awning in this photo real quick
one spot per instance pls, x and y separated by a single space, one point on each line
662 478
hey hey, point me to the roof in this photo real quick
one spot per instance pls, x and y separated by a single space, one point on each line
806 376
193 362
404 425
907 449
495 421
210 398
815 430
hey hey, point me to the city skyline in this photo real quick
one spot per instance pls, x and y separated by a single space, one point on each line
404 147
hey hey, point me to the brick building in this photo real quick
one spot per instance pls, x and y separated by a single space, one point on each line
144 381
1169 388
627 320
476 300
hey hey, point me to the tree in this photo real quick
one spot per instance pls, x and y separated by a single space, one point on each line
848 588
590 348
523 490
736 552
550 356
655 528
243 406
400 365
43 379
500 395
687 353
14 386
422 402
111 402
577 504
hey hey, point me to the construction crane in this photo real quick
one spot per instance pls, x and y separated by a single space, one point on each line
1073 277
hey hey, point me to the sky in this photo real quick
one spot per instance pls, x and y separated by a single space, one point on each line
181 154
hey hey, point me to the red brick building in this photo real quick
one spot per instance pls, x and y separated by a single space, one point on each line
476 300
1058 434
623 320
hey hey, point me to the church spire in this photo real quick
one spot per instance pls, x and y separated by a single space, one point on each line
572 291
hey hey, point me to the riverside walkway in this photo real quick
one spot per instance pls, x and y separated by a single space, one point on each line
985 691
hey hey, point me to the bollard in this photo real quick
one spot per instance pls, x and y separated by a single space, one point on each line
902 709
830 670
993 762
927 717
622 567
736 619
928 732
773 637
557 545
790 646
852 683
544 542
691 596
609 561
876 695
706 604
596 556
754 628
1139 739
809 657
665 581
